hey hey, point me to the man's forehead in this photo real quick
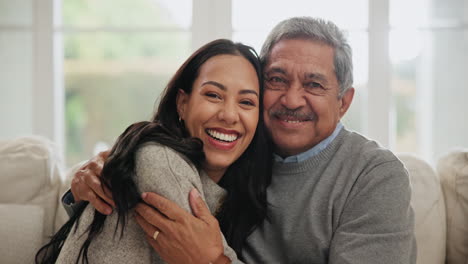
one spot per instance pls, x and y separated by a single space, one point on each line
306 54
306 71
297 44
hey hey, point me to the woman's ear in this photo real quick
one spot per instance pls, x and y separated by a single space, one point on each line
181 101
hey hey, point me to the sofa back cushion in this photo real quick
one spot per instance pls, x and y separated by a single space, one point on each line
30 174
453 170
428 204
20 232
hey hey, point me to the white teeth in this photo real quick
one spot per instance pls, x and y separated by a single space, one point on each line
292 121
221 136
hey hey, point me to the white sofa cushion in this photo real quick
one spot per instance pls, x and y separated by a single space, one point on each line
453 170
20 232
428 204
30 174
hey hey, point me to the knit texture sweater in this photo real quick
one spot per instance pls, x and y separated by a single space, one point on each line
348 204
159 169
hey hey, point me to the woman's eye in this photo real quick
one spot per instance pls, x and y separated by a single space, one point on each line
248 103
213 95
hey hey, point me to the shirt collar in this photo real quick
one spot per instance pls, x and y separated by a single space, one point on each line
311 152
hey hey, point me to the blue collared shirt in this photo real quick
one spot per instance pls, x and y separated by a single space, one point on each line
313 151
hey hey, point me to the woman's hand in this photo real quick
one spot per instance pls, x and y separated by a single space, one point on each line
182 237
86 185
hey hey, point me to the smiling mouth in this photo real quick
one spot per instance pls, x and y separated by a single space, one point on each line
292 120
223 137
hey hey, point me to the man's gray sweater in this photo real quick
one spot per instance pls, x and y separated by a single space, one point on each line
348 204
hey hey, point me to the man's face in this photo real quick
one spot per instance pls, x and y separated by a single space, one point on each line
301 101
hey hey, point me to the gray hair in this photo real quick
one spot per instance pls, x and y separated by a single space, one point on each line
317 30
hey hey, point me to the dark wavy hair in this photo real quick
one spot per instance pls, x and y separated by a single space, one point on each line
246 180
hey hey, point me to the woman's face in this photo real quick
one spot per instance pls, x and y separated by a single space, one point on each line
222 110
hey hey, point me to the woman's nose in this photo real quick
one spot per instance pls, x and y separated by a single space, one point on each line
229 113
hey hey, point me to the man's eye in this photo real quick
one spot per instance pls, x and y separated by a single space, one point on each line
313 85
276 79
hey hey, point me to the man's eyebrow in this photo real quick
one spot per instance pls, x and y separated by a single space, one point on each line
222 87
276 70
316 76
217 84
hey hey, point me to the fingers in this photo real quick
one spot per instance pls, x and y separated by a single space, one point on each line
101 191
98 203
149 230
86 186
147 227
170 209
95 166
199 207
104 154
91 173
160 243
197 204
155 243
75 188
153 217
85 181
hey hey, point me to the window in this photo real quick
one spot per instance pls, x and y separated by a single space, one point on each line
118 57
16 67
79 72
429 61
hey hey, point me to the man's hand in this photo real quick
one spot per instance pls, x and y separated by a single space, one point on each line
182 237
86 185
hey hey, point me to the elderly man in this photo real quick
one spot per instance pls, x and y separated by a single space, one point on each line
335 196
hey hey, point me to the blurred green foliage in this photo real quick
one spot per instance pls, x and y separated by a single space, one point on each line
100 107
113 79
115 13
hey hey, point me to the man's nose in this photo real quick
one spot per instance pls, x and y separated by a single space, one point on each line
293 98
229 113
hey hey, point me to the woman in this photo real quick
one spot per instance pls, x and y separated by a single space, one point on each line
208 133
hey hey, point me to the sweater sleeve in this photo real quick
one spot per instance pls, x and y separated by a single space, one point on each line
164 171
68 203
377 223
161 170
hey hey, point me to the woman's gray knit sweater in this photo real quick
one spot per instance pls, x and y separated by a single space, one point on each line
159 169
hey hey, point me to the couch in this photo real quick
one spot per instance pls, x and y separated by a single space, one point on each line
32 181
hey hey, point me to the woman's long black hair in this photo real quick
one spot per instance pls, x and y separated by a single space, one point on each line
245 180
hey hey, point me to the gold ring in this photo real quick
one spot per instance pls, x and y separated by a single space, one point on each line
155 235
